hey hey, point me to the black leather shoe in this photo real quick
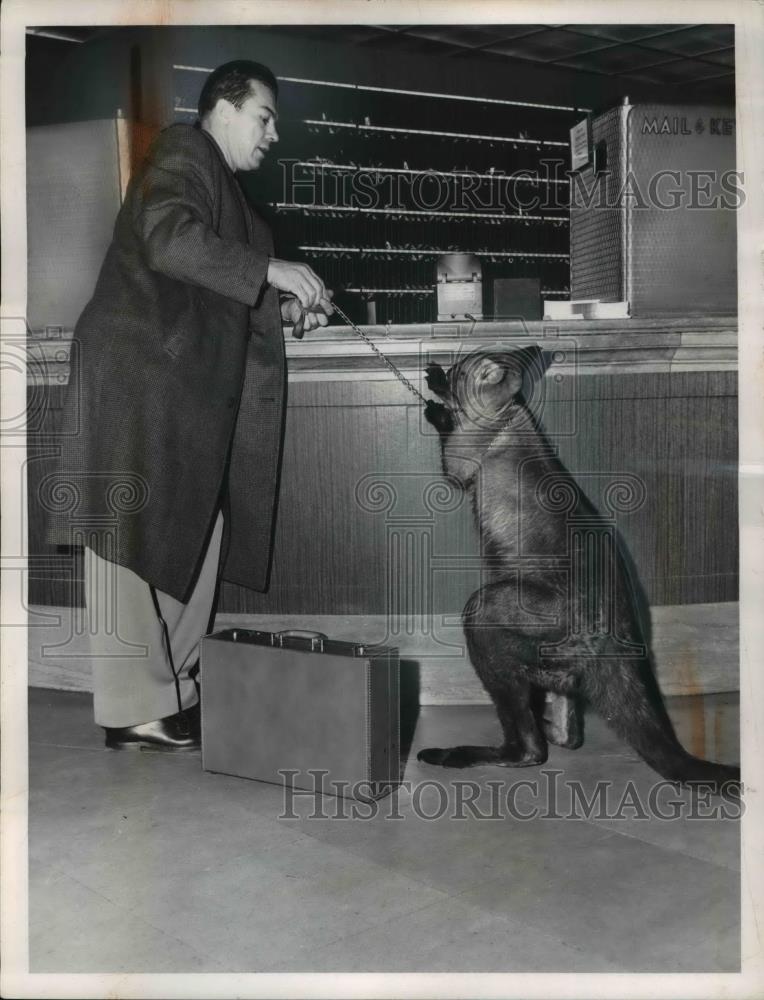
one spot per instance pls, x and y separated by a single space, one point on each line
176 733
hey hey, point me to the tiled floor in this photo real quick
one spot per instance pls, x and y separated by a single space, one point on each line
144 863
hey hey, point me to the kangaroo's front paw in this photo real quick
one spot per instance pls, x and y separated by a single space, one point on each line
439 416
437 380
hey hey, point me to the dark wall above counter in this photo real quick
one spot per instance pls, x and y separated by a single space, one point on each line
391 154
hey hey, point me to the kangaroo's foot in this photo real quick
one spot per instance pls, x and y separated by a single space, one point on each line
469 756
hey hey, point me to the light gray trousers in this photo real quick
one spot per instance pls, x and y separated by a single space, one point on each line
133 679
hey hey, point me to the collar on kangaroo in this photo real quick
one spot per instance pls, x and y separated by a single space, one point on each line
468 481
507 423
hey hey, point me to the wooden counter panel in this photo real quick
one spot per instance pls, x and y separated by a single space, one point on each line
674 429
334 556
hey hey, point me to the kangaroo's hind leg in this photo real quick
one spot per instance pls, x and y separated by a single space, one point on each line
499 655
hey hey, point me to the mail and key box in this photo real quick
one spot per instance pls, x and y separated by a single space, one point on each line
653 211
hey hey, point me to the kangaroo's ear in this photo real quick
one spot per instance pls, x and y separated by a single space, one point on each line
535 361
437 380
530 363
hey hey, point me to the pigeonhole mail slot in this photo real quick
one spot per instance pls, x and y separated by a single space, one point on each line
300 709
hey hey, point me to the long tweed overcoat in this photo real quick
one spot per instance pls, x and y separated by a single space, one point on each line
177 395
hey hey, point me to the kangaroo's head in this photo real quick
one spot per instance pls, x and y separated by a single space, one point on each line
482 390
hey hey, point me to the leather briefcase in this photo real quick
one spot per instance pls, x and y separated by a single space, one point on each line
300 709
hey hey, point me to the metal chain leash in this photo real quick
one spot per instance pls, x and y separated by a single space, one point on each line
385 360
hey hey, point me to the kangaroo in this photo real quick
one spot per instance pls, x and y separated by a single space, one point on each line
559 619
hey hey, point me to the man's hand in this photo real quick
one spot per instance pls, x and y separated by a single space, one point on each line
298 280
292 312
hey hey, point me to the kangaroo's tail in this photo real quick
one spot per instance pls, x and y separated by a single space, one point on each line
626 693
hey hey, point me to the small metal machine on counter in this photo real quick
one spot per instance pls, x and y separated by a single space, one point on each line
460 287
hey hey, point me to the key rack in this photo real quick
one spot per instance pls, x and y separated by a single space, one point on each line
370 185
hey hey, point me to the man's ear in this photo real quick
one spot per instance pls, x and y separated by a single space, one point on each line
223 109
437 380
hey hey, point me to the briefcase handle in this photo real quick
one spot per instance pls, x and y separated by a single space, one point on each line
316 638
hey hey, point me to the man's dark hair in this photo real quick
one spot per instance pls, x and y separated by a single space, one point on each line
232 82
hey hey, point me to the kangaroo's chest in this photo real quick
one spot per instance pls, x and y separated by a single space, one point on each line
510 511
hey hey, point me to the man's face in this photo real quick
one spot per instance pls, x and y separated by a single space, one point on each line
251 129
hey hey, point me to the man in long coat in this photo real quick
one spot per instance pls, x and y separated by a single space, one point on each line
174 417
